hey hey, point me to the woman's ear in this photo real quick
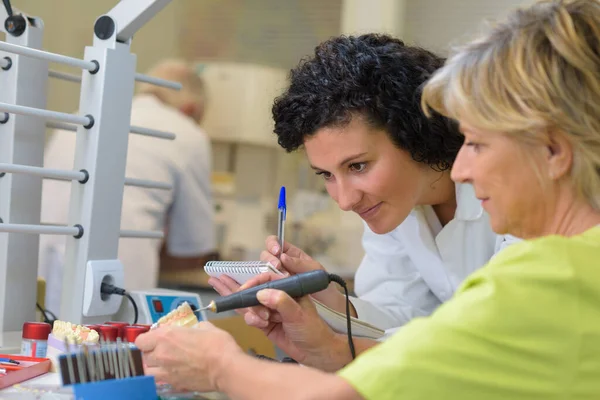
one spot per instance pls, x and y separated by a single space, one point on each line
188 108
560 155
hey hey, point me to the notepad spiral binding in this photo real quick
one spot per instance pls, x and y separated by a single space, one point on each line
237 267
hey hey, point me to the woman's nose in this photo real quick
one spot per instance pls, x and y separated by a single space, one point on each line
348 197
460 168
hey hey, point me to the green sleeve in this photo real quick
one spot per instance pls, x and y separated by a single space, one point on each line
494 340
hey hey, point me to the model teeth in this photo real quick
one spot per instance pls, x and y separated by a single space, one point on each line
74 334
181 316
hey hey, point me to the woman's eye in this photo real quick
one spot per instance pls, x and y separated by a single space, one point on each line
326 175
358 167
473 145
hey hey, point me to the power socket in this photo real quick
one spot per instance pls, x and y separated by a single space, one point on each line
94 302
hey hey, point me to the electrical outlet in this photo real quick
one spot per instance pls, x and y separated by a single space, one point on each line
94 302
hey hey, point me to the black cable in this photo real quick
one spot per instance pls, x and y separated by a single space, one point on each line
45 314
315 281
338 279
135 309
109 289
42 311
54 317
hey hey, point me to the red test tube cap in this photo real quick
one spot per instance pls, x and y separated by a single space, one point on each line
130 333
108 332
36 330
119 325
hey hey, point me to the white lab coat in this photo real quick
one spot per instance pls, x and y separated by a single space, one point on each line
411 270
186 211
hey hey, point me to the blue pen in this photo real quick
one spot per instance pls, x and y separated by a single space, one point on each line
281 220
8 361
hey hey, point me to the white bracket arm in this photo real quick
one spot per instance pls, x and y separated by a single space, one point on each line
130 15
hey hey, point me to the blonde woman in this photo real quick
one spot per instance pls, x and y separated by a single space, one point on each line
527 325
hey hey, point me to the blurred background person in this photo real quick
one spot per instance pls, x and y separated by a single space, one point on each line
185 213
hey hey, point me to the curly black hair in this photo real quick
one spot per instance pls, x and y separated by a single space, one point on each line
373 76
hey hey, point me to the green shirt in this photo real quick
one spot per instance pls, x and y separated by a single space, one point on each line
526 326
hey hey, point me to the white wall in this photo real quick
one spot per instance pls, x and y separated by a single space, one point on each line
367 16
436 24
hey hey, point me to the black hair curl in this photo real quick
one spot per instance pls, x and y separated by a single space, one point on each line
373 76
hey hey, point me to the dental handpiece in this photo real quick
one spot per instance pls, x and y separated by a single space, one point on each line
295 286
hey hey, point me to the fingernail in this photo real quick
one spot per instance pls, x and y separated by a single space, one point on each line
253 319
275 249
257 322
263 295
264 314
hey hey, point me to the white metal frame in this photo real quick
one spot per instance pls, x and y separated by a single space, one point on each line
102 129
21 142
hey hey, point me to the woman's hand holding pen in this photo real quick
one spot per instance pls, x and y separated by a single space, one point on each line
295 261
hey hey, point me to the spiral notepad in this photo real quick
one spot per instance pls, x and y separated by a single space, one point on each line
239 271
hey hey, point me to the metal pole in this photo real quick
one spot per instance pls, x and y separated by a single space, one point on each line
47 56
40 229
145 183
151 132
61 126
138 130
47 114
157 81
142 234
43 172
64 76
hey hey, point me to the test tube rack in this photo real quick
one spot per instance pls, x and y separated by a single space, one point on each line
114 368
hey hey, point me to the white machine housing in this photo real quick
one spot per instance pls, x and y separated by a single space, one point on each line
156 303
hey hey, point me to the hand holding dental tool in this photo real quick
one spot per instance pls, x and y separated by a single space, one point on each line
282 211
295 286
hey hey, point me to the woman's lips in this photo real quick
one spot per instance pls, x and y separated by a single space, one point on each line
370 212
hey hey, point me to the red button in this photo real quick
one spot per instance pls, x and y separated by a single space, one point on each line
158 307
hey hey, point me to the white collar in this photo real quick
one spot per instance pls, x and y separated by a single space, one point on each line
468 207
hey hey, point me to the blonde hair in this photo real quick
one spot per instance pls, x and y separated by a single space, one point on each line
192 89
538 72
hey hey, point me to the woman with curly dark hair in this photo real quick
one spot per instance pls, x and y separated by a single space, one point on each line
355 109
